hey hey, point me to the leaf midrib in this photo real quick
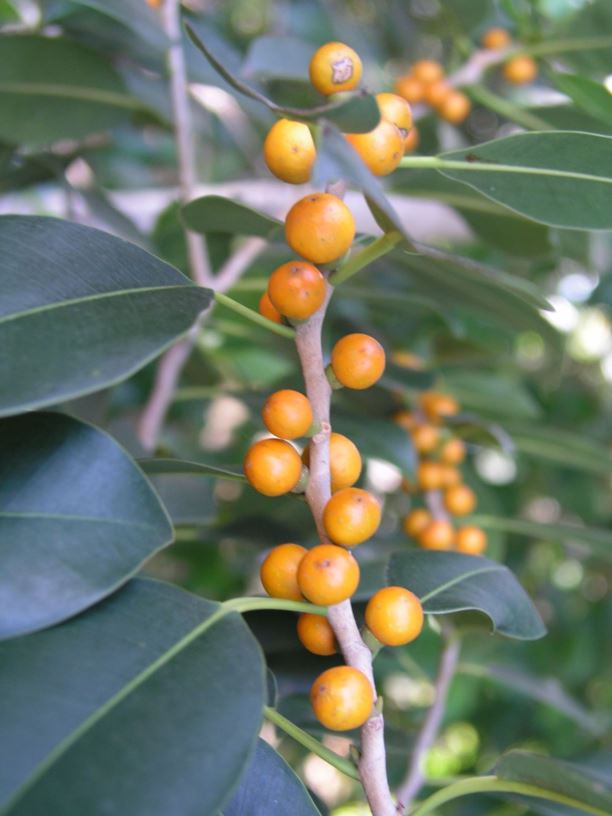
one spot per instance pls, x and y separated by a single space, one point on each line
458 579
64 745
61 304
86 519
79 92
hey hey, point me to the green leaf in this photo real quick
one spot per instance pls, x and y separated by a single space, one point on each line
83 308
489 295
451 582
560 178
52 88
8 12
139 17
583 785
545 690
562 448
278 57
156 690
270 786
491 393
218 214
357 112
337 160
599 541
591 96
155 467
77 519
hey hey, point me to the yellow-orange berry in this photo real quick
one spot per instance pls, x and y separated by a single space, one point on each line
430 475
437 405
320 227
459 500
416 521
154 3
328 575
394 108
296 289
453 451
278 572
439 535
425 438
341 698
351 516
267 309
495 38
410 88
335 67
344 461
450 475
455 107
287 414
394 615
381 149
471 540
436 92
289 151
406 420
358 361
427 71
520 70
411 142
272 467
316 635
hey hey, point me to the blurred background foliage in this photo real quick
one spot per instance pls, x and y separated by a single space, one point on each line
535 386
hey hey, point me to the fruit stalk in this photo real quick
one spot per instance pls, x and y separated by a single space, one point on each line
372 763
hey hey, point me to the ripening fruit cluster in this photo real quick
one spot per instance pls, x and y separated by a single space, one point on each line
319 228
289 148
440 455
518 70
426 83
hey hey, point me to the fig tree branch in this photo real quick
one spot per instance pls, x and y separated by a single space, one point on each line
413 781
172 363
372 763
196 244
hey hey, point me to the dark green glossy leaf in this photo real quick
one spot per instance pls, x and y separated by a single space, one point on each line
492 394
356 112
337 160
52 88
451 582
561 447
218 214
270 786
486 294
568 779
597 540
83 308
545 690
560 178
144 690
77 518
278 57
156 467
139 17
591 96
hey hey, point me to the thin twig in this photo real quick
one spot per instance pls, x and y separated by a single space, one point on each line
431 725
196 244
372 764
172 363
